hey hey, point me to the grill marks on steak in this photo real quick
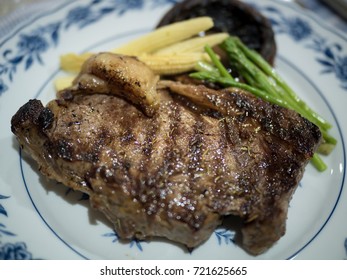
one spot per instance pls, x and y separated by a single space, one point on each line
180 172
204 154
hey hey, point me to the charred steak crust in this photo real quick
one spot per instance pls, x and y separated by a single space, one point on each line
32 112
177 174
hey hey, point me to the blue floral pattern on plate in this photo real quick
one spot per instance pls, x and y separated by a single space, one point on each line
16 251
11 251
331 56
225 236
29 50
3 212
115 238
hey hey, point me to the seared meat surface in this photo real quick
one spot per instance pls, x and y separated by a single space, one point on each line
203 155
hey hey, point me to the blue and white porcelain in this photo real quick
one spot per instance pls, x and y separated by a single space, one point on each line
40 219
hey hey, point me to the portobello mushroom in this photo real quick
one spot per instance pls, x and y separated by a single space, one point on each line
232 16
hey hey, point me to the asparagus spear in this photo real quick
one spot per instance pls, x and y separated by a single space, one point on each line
239 52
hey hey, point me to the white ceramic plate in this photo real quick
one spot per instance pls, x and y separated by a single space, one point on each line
39 220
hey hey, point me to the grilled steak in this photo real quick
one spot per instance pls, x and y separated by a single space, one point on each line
203 155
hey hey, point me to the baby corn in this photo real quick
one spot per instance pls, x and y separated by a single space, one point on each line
168 64
61 83
72 62
196 44
165 36
164 64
